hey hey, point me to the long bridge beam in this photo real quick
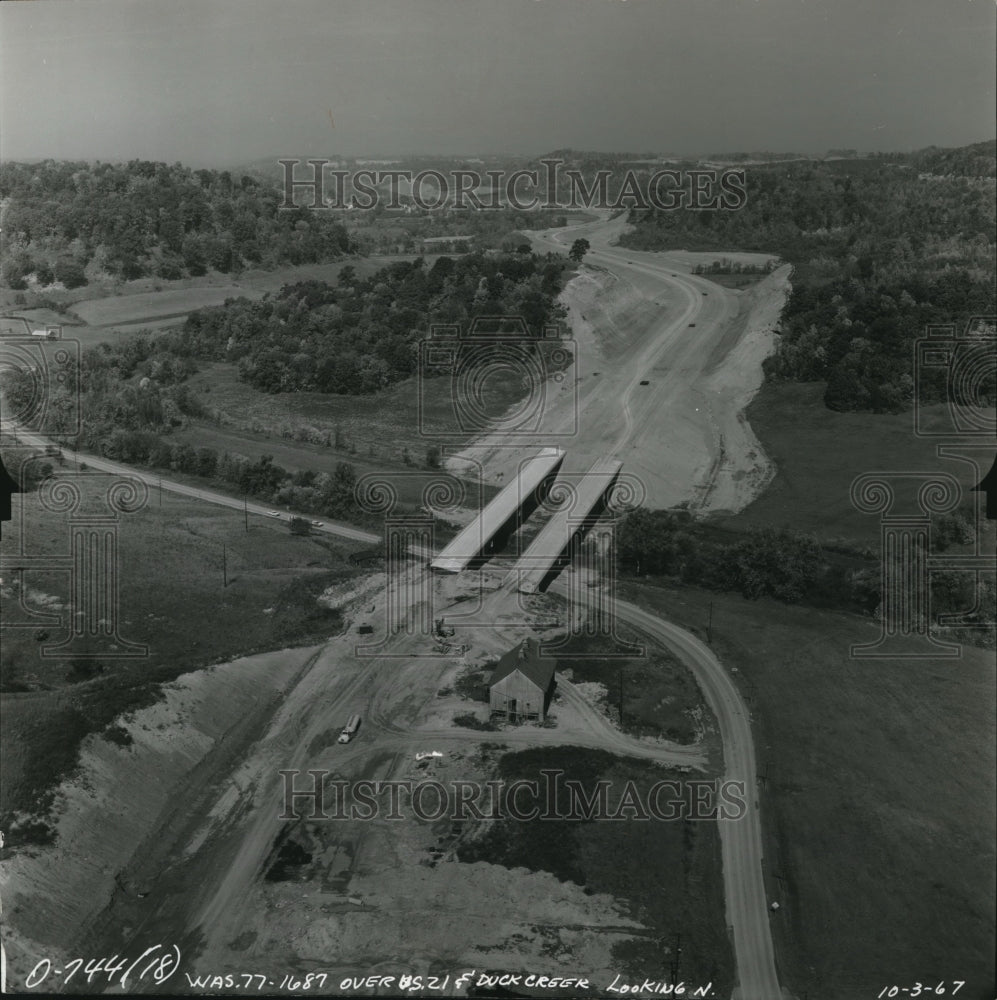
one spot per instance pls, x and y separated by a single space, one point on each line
545 553
473 542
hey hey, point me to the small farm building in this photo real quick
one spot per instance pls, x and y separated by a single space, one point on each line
522 683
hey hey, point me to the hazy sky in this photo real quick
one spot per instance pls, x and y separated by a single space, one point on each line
228 81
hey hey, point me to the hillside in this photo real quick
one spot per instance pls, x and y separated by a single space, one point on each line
882 247
73 223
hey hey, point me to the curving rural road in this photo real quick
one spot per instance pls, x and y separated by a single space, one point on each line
304 715
741 840
26 439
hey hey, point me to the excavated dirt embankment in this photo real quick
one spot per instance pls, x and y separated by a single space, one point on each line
742 470
690 442
120 795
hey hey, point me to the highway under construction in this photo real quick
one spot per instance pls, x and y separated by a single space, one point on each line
211 821
575 500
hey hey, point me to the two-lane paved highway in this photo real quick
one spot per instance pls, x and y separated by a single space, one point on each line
199 493
741 840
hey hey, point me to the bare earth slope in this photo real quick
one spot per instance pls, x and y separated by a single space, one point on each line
698 346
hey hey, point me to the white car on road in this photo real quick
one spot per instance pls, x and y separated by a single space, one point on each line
349 731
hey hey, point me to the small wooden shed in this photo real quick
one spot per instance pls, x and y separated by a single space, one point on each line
522 684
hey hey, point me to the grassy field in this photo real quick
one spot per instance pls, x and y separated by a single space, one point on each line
155 305
300 455
171 599
819 453
382 426
73 328
272 281
151 299
877 796
660 696
668 872
100 312
13 324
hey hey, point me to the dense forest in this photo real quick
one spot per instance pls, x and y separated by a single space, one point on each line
74 223
881 248
364 334
354 338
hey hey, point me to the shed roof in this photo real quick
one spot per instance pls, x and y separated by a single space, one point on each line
527 660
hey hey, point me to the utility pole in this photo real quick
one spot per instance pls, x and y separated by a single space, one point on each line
245 511
673 966
763 778
160 492
224 566
621 699
709 627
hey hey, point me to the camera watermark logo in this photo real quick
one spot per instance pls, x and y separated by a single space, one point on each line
467 374
39 380
91 618
957 368
408 546
905 542
925 589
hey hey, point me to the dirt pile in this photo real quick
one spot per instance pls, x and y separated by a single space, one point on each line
402 903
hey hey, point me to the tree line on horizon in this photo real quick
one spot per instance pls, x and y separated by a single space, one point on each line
76 222
881 248
795 568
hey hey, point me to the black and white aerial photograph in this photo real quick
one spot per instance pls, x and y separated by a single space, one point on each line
498 499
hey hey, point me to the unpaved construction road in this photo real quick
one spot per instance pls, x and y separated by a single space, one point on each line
201 870
666 363
231 827
392 693
676 435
